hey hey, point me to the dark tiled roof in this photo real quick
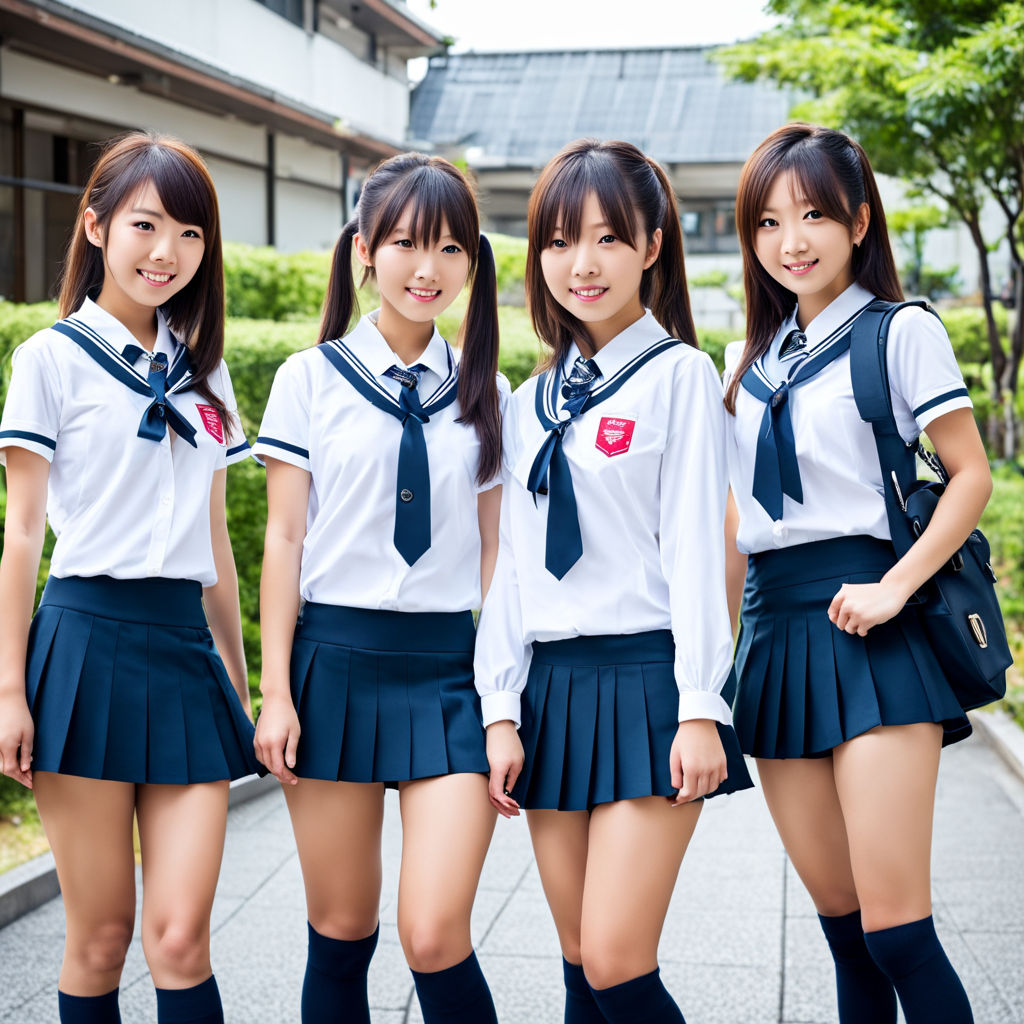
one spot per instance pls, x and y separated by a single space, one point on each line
520 108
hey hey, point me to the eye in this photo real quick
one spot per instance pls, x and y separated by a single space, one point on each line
558 243
606 239
814 215
767 222
143 225
191 233
451 250
405 243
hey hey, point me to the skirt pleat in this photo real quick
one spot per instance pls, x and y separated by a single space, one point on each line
599 715
125 684
806 686
385 696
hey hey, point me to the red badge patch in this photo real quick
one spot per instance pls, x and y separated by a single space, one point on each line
614 435
211 420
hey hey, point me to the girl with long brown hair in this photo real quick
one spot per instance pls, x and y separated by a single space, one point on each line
127 698
383 456
605 637
840 697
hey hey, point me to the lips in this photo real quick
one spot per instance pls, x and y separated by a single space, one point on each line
155 278
800 268
588 294
424 294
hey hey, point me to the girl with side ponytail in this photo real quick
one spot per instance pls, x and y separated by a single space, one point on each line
840 697
383 454
605 638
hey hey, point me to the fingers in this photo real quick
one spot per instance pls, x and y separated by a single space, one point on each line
278 754
17 767
502 779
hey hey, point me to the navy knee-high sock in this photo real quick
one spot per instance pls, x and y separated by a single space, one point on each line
456 995
864 991
643 1000
929 989
335 984
580 1007
199 1004
89 1009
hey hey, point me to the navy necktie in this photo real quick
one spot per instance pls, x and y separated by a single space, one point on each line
794 344
153 425
550 474
412 486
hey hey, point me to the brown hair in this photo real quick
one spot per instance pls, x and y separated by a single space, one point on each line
834 174
633 193
196 313
433 190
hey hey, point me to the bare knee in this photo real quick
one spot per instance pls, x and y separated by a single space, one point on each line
344 923
102 949
179 949
434 945
610 961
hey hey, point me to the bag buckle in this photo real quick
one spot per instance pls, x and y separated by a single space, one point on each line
978 629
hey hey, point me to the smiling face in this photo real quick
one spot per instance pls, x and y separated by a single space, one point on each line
597 277
148 256
417 280
804 250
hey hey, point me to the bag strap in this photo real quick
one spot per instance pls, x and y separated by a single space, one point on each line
869 374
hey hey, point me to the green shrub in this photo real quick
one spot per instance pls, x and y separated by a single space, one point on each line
264 284
969 333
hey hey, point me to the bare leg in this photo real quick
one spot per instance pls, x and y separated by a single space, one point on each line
89 825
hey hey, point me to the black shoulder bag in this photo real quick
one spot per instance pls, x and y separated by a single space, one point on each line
958 604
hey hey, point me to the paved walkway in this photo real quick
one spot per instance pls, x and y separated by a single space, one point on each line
741 944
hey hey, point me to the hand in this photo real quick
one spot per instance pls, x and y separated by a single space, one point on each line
859 606
17 732
277 738
697 760
505 755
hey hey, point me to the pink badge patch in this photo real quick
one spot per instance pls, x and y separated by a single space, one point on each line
614 435
211 420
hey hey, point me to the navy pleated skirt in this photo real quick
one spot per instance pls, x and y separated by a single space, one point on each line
806 686
385 696
124 683
599 714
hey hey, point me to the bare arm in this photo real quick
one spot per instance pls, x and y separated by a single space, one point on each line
735 563
277 731
856 608
221 600
488 505
25 526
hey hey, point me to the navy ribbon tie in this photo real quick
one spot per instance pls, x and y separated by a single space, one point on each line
776 469
153 426
412 486
550 474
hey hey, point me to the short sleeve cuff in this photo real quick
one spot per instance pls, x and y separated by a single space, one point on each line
285 451
238 452
703 704
29 439
947 401
500 706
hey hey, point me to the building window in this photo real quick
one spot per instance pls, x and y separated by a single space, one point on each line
290 9
709 226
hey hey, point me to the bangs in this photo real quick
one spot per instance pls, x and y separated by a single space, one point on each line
429 195
183 187
817 180
560 199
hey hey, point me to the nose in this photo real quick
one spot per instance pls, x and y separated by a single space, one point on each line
793 241
585 262
427 268
162 249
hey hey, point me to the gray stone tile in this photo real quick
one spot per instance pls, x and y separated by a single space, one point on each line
524 926
749 940
724 995
526 989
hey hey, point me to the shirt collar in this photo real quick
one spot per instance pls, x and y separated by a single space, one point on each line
625 346
117 335
373 351
833 316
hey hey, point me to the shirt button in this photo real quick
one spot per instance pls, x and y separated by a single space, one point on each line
779 533
406 495
165 500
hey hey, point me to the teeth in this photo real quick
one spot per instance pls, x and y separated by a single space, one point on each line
156 278
588 293
426 294
801 266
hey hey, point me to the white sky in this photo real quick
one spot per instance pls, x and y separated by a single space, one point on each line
571 24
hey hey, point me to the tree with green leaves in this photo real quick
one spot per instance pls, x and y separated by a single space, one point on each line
934 91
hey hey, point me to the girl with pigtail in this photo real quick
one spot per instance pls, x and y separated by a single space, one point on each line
383 453
840 696
605 637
